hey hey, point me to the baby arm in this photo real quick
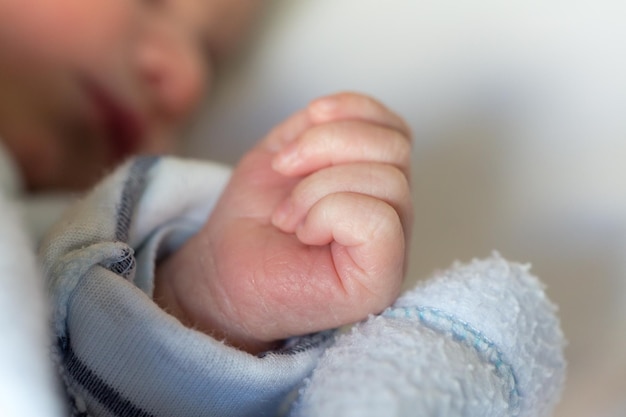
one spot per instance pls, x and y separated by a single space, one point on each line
311 232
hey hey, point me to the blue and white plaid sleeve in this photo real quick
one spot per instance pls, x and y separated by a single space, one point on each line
119 354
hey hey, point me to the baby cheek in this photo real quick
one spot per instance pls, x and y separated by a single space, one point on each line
162 142
41 162
65 31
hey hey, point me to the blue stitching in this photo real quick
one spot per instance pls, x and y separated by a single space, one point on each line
464 333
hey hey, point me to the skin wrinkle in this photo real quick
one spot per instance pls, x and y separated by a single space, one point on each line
226 309
404 210
332 307
194 313
400 146
344 280
301 283
257 286
381 225
262 297
358 284
336 317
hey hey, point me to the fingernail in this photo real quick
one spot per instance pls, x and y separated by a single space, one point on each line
324 105
286 159
278 142
282 213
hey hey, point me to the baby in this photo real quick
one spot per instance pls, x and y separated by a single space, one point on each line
83 85
321 207
86 85
179 288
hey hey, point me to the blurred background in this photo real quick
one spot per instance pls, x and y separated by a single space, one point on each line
518 110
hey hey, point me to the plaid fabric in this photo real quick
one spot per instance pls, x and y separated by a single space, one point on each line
120 354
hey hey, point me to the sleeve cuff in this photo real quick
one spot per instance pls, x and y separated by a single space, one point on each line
118 352
477 339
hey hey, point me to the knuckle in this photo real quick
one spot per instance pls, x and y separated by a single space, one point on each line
310 139
406 129
403 140
308 190
401 147
398 179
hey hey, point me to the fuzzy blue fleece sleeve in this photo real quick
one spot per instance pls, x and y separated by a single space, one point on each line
118 353
479 339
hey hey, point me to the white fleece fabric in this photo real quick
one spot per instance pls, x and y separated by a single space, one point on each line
478 340
28 387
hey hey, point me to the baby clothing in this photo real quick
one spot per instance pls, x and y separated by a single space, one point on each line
119 353
476 340
479 340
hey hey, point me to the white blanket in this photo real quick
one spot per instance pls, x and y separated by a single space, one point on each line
27 385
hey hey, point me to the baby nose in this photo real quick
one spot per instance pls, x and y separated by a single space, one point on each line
173 75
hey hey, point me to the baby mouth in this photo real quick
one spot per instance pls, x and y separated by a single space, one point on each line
123 127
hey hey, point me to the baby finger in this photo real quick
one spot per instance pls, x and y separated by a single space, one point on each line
341 143
367 245
382 181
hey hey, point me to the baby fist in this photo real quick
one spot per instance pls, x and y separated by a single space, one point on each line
311 232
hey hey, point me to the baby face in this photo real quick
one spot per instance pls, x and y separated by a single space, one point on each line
85 83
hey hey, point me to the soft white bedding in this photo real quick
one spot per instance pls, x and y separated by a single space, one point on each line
27 381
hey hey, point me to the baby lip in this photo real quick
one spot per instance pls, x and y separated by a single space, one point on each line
124 128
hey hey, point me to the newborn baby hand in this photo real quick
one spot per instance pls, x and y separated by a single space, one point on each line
311 232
